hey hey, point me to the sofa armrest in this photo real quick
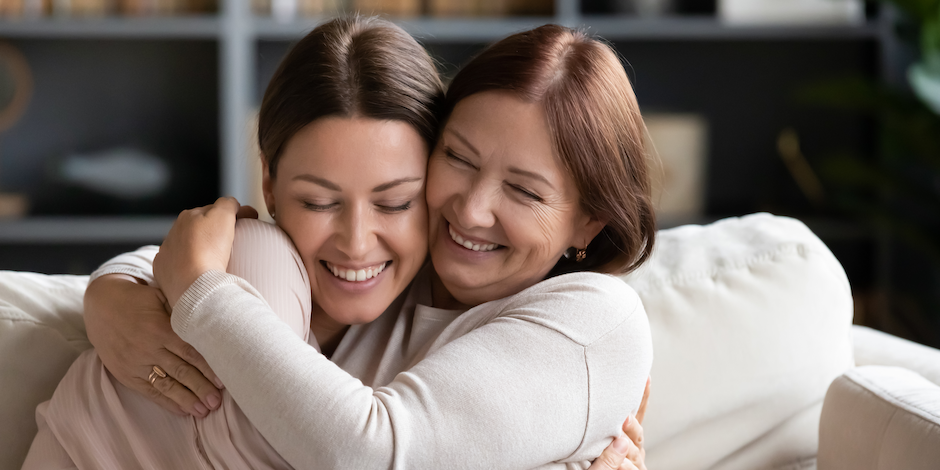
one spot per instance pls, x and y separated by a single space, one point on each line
879 417
874 348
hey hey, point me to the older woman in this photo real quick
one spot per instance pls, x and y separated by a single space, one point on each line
503 360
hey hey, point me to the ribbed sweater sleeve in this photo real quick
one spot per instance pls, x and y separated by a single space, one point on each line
137 263
547 375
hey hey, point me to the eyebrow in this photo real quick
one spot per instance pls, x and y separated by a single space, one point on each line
392 184
318 181
533 175
334 187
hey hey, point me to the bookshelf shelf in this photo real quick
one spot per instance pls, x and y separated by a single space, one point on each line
178 27
708 28
78 230
453 30
437 30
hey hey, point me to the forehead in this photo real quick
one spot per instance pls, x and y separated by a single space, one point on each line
354 146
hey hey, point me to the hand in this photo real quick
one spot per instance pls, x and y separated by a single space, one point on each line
626 452
200 241
129 325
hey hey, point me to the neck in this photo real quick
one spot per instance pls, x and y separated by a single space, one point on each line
327 331
441 297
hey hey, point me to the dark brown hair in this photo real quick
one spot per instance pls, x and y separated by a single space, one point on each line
595 122
348 67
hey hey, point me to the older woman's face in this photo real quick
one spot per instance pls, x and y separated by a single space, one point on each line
502 207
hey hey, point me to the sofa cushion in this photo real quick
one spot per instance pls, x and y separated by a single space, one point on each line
751 322
41 333
880 418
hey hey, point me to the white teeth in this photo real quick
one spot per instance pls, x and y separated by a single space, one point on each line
468 244
354 275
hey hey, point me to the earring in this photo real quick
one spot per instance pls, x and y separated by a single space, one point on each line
580 255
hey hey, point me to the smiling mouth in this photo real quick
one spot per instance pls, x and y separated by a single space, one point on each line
355 275
469 244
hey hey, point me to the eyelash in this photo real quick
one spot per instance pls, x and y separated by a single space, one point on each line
386 209
394 209
526 193
454 158
318 207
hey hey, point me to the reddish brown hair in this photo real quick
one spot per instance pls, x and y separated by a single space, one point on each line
598 133
347 67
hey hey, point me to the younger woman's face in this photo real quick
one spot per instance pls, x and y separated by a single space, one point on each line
350 194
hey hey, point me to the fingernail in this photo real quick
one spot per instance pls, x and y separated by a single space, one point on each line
201 409
214 401
620 445
218 383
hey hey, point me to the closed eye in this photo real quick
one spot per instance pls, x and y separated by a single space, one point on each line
526 193
453 158
318 207
394 209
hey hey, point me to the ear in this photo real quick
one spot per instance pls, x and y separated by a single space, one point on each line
588 228
267 186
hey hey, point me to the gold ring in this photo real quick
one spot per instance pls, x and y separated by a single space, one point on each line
159 371
153 377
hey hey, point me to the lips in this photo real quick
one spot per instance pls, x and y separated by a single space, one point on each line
469 244
355 275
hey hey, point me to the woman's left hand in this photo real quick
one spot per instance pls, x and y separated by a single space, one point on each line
626 452
200 241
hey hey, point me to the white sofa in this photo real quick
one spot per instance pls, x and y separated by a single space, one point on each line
751 320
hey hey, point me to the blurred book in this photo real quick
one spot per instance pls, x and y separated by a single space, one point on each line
24 8
287 10
66 8
791 12
472 8
680 141
387 7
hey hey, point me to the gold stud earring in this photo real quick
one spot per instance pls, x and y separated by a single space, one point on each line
580 255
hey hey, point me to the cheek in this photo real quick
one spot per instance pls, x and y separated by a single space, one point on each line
441 183
541 229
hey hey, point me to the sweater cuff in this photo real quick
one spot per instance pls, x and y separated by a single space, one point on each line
136 273
200 290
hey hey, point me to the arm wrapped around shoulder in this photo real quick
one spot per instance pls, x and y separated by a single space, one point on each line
878 417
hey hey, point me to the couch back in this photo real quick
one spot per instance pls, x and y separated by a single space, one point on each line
42 331
751 321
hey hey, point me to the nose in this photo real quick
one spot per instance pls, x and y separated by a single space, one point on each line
476 207
356 232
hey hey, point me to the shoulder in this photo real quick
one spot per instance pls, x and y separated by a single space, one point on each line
582 306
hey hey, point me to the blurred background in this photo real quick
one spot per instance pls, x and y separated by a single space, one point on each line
117 114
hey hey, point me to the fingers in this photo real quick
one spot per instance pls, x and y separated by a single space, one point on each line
641 412
193 381
613 456
634 432
182 396
144 388
246 212
635 453
189 354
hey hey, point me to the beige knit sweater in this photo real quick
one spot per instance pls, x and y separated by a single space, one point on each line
547 375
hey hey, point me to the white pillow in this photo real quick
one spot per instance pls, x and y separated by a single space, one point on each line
41 333
751 321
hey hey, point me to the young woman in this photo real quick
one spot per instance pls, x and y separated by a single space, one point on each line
515 189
